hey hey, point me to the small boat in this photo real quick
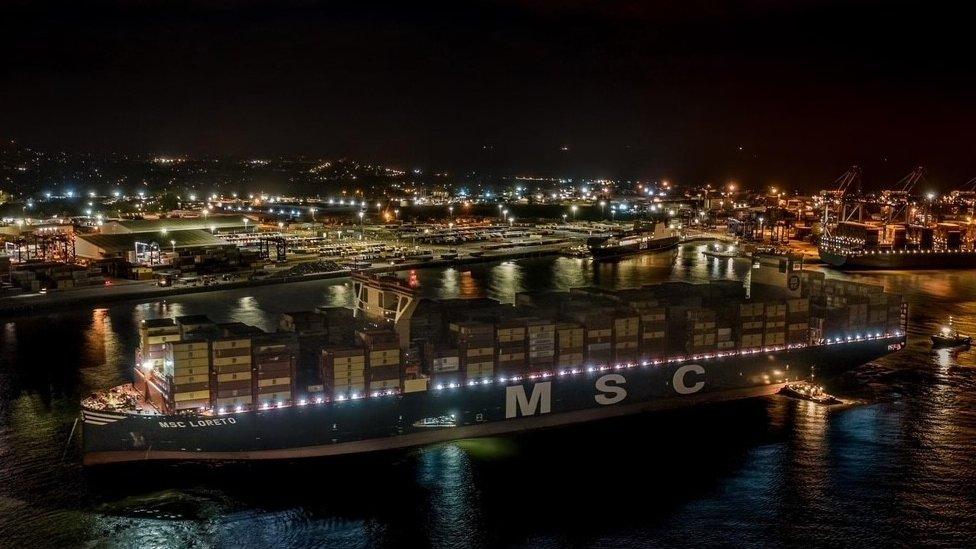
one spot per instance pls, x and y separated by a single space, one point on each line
948 337
729 252
808 391
577 251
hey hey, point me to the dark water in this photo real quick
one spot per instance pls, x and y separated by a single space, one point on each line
897 470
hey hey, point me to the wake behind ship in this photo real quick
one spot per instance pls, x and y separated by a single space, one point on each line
399 371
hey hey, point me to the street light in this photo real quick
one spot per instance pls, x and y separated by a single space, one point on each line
574 208
245 224
603 204
564 219
362 230
173 244
450 210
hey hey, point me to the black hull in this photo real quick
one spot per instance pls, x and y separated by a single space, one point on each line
899 261
500 407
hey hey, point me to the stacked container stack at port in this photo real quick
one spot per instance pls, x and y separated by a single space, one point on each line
751 324
340 325
311 333
190 364
442 363
274 357
570 342
153 372
626 335
231 361
774 324
597 333
654 325
948 236
154 334
510 344
798 321
703 332
344 370
50 275
541 344
475 341
383 360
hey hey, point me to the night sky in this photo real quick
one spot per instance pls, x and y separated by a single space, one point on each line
632 89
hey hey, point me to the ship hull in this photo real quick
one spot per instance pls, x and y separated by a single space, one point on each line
900 260
436 415
656 245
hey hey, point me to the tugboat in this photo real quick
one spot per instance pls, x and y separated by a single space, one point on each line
579 250
808 391
948 337
730 252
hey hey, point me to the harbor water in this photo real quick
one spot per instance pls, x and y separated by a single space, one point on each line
895 468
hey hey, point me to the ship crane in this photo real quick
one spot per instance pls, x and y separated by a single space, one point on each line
836 197
898 198
966 193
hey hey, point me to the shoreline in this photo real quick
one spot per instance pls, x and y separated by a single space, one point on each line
15 307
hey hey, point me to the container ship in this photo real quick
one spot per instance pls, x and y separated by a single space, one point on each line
642 238
855 245
396 370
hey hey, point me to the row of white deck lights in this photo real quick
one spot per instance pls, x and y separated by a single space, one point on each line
949 250
593 369
589 369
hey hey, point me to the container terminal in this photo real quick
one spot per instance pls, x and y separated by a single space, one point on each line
396 370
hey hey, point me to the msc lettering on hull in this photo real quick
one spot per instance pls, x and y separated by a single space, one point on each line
517 403
687 379
197 423
680 379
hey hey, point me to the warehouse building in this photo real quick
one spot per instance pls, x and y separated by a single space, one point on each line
213 224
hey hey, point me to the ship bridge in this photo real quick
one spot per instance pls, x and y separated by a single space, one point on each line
386 298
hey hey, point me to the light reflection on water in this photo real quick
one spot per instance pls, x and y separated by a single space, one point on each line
757 472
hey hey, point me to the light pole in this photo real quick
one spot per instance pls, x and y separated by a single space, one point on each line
511 221
500 210
245 224
564 218
575 209
603 204
450 210
173 244
396 215
362 230
761 228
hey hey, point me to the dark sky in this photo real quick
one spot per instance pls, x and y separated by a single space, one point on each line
633 89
